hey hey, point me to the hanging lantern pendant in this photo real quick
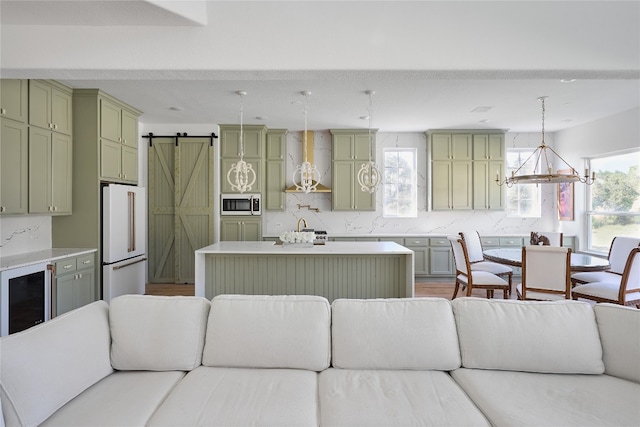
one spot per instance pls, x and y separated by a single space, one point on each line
241 175
306 176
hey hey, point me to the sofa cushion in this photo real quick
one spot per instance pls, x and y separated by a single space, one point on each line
241 397
47 365
394 398
510 398
157 333
620 336
268 332
416 333
124 398
534 336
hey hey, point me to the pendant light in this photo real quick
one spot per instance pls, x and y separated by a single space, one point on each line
306 176
369 177
241 175
541 160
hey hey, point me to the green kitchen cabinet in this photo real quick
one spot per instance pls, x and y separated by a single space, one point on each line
253 147
50 106
350 149
50 172
240 228
451 183
451 146
274 197
440 257
14 161
419 246
14 99
488 162
74 283
118 142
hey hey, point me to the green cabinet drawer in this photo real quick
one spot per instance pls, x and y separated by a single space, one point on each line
511 241
416 241
85 261
67 265
438 241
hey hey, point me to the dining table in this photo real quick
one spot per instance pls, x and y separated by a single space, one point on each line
579 261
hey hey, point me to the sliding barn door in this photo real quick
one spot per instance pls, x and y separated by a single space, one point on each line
180 206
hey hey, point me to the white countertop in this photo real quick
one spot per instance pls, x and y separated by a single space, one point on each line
46 255
330 248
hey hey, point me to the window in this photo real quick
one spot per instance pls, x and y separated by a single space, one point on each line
523 200
613 207
400 183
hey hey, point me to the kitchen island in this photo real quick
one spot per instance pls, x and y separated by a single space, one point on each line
333 270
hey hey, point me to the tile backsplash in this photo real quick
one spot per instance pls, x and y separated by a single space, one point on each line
25 233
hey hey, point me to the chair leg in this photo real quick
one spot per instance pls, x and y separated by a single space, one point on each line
510 275
455 289
506 294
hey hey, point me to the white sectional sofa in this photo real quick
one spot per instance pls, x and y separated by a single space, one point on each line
298 361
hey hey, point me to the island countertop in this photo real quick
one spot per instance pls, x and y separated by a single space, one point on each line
329 248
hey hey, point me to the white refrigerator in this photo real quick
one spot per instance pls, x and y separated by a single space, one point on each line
124 240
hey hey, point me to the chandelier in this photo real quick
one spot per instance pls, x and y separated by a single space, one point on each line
241 175
305 176
541 159
369 177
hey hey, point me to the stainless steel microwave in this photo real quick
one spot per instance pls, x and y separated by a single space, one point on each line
240 204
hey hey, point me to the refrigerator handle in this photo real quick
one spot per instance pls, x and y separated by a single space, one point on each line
132 223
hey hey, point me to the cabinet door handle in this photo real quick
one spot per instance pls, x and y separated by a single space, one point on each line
68 266
86 262
3 111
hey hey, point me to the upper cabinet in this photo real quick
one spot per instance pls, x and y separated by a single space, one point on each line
463 169
275 147
350 148
118 142
488 162
253 149
14 151
50 106
14 98
36 147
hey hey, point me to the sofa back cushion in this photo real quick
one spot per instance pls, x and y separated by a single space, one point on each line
254 331
157 333
416 333
619 328
534 336
44 367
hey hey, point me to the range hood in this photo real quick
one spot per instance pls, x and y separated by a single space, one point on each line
320 188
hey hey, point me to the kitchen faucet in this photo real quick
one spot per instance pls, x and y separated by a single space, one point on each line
304 221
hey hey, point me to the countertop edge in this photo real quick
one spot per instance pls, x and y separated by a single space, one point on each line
46 255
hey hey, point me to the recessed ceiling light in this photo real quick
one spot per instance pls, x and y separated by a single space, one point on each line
481 109
261 117
568 80
364 117
176 108
484 121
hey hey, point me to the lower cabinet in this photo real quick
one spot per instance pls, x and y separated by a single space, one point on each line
419 246
240 229
73 284
441 261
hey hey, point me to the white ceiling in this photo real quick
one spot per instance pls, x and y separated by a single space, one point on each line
430 63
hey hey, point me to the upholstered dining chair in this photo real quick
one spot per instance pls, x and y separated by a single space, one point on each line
618 254
546 238
471 279
546 273
477 261
624 292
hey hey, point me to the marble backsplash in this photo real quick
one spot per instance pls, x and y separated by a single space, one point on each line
26 233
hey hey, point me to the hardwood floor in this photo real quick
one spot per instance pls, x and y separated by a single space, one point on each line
422 289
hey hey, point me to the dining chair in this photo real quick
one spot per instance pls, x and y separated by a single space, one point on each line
477 261
471 279
546 273
626 292
546 238
619 251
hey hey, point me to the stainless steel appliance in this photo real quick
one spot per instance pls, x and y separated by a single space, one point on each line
240 204
124 240
25 297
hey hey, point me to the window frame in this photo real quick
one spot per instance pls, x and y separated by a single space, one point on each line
590 213
527 151
414 182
